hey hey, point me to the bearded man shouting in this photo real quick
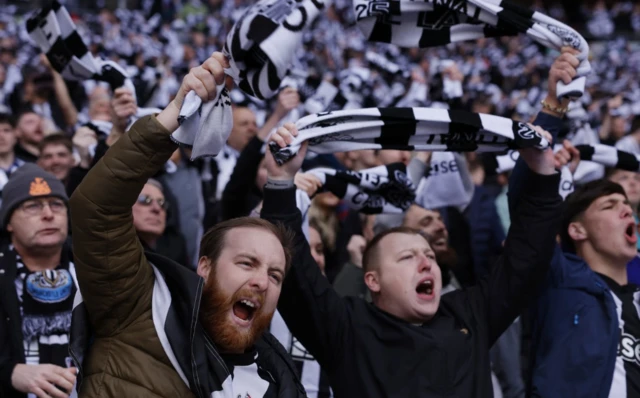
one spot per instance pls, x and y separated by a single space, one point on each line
157 328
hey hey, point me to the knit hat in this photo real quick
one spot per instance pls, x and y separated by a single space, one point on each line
28 182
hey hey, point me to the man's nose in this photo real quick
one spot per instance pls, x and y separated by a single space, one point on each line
259 280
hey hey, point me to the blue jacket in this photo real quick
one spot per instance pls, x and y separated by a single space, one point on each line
633 271
575 332
485 230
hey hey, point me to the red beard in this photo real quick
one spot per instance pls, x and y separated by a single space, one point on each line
215 308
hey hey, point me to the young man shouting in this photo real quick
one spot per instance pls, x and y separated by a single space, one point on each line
411 342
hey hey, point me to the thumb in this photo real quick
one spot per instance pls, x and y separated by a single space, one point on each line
303 149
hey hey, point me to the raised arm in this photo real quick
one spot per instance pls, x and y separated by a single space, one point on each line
501 296
115 279
313 311
244 174
549 118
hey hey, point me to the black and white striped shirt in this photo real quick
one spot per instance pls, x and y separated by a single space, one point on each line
626 375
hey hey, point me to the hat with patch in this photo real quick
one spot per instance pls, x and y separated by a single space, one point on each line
29 182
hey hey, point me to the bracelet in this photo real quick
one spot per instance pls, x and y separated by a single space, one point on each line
546 105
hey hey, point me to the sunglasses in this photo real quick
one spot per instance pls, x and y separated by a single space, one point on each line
147 200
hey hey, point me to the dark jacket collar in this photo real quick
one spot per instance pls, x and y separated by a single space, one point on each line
203 366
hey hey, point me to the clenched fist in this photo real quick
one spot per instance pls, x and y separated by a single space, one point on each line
123 107
203 80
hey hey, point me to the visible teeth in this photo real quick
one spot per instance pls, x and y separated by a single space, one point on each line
247 303
428 283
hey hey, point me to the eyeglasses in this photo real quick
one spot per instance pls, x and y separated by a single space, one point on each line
35 207
147 200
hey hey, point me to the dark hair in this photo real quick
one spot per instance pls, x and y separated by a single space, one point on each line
369 250
56 139
213 241
580 200
6 118
24 111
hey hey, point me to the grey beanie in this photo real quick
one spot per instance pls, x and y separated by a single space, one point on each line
28 182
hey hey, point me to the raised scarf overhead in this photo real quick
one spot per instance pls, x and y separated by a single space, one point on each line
260 48
320 95
55 33
604 155
421 129
378 190
381 189
431 23
609 156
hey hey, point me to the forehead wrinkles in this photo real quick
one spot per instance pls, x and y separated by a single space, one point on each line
262 245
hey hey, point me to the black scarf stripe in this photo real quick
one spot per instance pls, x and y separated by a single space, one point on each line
609 157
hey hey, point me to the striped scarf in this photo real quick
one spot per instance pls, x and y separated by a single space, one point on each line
55 33
422 129
260 48
432 23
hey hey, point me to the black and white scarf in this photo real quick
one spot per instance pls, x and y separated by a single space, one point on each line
382 189
55 33
46 299
319 95
378 190
421 129
609 156
260 48
432 23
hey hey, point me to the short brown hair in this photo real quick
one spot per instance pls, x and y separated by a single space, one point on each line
579 201
56 139
213 241
369 250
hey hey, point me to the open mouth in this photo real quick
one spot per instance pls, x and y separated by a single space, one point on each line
425 288
630 233
245 309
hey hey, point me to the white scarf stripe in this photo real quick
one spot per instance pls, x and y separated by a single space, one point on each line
260 48
425 129
433 23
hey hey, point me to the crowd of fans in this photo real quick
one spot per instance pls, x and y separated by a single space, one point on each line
66 127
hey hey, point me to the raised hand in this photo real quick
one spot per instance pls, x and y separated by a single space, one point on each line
308 183
567 155
283 137
288 99
83 139
540 162
123 107
563 69
203 80
356 248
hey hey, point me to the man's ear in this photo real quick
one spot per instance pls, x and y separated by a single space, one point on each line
204 267
372 280
577 232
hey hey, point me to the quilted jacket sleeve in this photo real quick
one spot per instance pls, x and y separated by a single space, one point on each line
115 279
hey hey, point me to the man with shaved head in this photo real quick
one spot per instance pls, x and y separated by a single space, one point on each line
411 340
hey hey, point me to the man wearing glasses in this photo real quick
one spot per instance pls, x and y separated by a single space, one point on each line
37 287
